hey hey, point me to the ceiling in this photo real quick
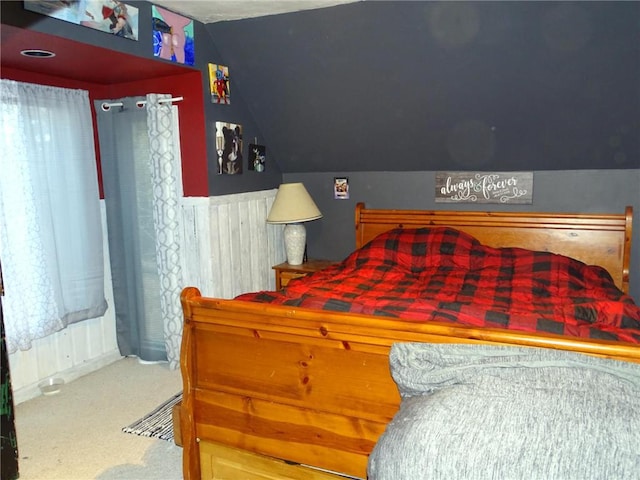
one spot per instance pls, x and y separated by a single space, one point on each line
210 11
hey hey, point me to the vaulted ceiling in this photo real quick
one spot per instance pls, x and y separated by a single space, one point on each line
209 11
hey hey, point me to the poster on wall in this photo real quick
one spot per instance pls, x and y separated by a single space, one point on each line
219 84
172 36
484 187
109 16
257 156
229 148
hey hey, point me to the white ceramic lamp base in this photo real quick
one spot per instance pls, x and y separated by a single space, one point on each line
295 239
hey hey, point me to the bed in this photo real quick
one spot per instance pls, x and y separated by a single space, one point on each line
287 391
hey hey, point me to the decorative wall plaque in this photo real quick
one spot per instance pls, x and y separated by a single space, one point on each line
484 187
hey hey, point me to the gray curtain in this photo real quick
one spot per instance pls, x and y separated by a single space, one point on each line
128 191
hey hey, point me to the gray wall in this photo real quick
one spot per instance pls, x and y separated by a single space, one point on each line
592 191
423 86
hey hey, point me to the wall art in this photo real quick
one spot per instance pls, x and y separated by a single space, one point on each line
229 148
109 16
172 36
341 188
219 84
257 157
484 187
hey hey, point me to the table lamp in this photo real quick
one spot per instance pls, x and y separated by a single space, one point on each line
292 206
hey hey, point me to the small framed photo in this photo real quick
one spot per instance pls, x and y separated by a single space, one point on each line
257 155
219 84
229 148
341 188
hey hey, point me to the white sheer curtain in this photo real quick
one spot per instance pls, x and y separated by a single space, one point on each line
50 223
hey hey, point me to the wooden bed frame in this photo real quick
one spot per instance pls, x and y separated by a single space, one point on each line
312 387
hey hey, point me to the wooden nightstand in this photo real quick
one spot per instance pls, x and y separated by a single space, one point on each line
286 272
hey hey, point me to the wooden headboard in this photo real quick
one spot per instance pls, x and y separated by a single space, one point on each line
595 239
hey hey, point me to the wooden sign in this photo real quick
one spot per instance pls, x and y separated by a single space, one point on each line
484 187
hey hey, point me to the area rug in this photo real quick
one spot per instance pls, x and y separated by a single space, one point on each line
158 423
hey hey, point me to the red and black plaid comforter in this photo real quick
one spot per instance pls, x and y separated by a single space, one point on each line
442 274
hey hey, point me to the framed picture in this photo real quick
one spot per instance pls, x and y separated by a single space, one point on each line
219 84
256 157
109 16
341 188
229 148
172 36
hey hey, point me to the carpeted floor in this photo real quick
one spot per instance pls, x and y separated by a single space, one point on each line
77 433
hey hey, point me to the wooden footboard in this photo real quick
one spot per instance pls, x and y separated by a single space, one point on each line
307 386
282 386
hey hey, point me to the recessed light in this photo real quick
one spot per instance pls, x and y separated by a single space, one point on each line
35 53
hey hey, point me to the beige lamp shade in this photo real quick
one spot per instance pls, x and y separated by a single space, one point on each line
293 204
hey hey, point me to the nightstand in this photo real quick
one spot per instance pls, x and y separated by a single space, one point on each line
286 272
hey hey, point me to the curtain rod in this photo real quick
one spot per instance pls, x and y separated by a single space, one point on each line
140 104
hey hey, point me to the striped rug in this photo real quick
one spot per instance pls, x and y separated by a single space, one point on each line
156 424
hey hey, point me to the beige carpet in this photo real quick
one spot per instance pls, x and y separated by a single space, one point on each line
77 434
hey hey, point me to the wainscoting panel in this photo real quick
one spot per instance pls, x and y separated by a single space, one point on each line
196 252
229 247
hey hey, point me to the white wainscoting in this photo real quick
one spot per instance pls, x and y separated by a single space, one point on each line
79 349
229 248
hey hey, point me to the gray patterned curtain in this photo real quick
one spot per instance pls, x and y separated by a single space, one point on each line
163 127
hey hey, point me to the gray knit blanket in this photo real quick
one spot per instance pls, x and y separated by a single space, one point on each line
490 412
